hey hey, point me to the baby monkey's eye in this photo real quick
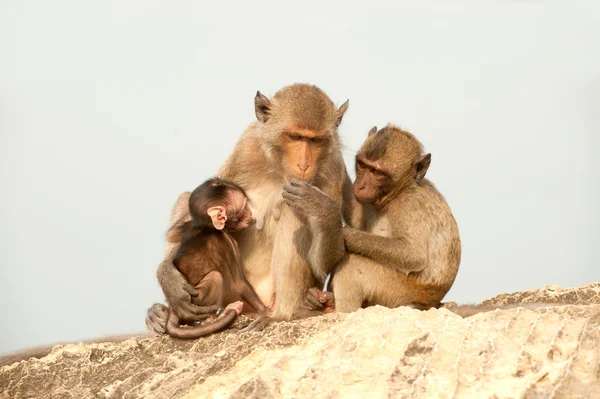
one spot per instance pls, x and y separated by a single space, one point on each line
317 140
294 136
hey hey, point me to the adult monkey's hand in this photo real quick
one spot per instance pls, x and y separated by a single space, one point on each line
178 292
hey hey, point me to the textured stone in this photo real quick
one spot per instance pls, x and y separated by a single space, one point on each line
551 352
586 295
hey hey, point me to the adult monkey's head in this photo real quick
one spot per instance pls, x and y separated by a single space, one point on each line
299 129
389 161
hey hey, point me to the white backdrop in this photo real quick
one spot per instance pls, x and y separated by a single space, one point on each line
108 110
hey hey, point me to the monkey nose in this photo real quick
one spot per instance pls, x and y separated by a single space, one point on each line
303 168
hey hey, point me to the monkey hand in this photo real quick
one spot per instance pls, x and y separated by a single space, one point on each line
311 201
258 325
318 300
179 294
156 318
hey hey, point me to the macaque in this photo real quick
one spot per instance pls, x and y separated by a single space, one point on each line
209 257
402 242
295 136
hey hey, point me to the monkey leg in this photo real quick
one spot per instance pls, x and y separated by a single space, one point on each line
253 302
225 319
210 291
362 282
348 284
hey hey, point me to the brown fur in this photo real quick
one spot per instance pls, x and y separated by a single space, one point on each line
403 246
272 150
210 260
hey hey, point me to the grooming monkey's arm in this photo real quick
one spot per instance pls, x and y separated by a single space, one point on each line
403 254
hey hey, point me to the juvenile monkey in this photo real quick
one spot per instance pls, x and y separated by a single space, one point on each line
209 258
402 244
295 135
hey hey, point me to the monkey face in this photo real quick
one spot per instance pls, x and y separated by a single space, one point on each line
302 148
240 214
371 183
300 126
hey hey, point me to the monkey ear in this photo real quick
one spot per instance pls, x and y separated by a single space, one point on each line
218 216
373 130
341 111
421 166
262 107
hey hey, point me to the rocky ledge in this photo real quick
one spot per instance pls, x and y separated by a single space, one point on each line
538 352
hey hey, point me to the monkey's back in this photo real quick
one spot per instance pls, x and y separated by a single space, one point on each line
202 252
444 240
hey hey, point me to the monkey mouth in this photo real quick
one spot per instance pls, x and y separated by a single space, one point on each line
364 198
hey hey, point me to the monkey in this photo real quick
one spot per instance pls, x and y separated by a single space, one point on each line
402 243
295 136
209 258
216 284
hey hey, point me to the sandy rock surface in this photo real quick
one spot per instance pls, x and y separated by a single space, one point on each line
550 352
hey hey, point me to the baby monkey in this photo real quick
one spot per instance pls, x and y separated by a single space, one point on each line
209 257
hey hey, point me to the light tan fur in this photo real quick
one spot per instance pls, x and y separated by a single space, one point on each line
295 136
402 242
416 260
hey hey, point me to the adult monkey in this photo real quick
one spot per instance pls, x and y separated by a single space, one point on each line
403 243
295 136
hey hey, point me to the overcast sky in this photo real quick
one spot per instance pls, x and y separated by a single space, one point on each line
108 110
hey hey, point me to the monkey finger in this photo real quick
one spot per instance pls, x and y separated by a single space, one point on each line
326 297
191 289
291 189
291 199
311 302
155 325
297 182
189 311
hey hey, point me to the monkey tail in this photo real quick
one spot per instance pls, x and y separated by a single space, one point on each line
222 322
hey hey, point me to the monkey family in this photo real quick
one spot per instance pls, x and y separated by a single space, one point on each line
388 238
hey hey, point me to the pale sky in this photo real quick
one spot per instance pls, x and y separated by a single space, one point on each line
108 110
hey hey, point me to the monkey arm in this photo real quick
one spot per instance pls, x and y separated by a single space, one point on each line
351 209
324 218
178 292
404 254
327 248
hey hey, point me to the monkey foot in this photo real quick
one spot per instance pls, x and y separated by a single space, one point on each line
235 306
320 300
258 325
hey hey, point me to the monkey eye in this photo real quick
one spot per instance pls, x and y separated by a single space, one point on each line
378 173
294 136
317 140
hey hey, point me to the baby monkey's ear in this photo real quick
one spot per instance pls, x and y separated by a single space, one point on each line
218 216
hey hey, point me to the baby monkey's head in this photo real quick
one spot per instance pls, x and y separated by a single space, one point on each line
220 204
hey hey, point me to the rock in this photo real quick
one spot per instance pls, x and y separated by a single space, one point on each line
551 352
586 295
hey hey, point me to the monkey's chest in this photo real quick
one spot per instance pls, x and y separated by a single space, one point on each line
379 225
